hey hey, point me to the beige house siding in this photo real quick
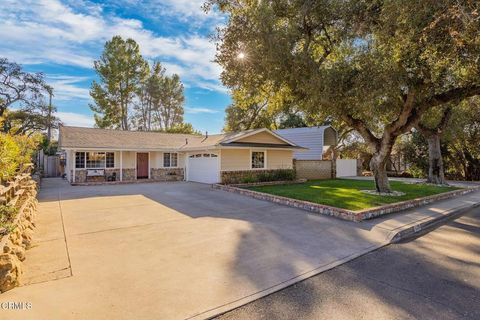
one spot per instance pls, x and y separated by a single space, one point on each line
279 159
128 159
235 159
262 137
239 159
156 159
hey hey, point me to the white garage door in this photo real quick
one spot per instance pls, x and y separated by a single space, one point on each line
203 167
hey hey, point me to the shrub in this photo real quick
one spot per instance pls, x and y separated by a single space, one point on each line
283 175
9 156
15 153
249 179
7 215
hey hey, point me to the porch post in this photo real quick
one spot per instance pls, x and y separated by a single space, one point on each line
121 165
73 165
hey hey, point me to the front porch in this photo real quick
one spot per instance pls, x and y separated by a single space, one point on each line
118 166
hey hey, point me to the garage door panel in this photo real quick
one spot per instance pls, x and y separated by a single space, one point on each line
203 167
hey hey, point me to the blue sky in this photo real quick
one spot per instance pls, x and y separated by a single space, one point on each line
62 38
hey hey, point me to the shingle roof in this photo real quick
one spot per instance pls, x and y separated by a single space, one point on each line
80 137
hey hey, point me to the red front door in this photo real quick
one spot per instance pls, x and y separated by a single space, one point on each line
142 165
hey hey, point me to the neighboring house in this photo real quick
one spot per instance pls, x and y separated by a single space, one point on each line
318 141
101 154
314 163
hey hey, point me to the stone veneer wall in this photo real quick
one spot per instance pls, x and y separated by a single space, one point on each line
239 176
167 174
14 243
313 169
81 175
129 174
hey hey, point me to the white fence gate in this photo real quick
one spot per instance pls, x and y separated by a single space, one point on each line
346 167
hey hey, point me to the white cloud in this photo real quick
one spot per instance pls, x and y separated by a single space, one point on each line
76 119
49 31
195 110
65 88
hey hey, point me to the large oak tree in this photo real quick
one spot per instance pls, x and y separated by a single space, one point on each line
375 65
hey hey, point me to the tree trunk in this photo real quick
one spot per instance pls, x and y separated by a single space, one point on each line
378 165
435 161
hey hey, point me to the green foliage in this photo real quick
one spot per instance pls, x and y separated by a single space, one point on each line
19 88
292 120
414 149
16 153
377 66
9 153
7 215
120 69
160 101
131 93
49 148
344 193
462 137
185 128
272 175
249 178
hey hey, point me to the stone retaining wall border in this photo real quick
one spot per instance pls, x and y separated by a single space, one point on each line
345 214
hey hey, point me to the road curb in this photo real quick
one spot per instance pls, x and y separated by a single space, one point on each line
429 224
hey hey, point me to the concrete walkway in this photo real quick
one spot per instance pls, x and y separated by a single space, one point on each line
181 250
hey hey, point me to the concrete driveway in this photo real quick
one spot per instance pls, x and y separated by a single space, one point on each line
170 251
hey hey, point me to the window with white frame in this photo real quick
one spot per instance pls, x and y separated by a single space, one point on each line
80 160
258 159
94 160
170 160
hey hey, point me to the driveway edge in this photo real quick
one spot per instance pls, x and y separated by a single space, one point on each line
212 313
428 224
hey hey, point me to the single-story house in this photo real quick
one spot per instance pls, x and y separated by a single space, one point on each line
93 154
318 141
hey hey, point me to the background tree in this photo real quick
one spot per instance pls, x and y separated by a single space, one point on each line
185 128
432 128
377 66
120 68
148 95
169 111
462 138
17 87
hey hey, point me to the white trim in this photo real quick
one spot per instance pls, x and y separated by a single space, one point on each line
148 164
121 165
74 167
299 149
254 132
220 166
171 167
264 159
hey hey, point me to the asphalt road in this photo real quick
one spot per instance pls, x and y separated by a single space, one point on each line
436 276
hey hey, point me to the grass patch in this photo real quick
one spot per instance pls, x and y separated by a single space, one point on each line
345 193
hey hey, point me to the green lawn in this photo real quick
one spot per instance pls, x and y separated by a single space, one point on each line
345 193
